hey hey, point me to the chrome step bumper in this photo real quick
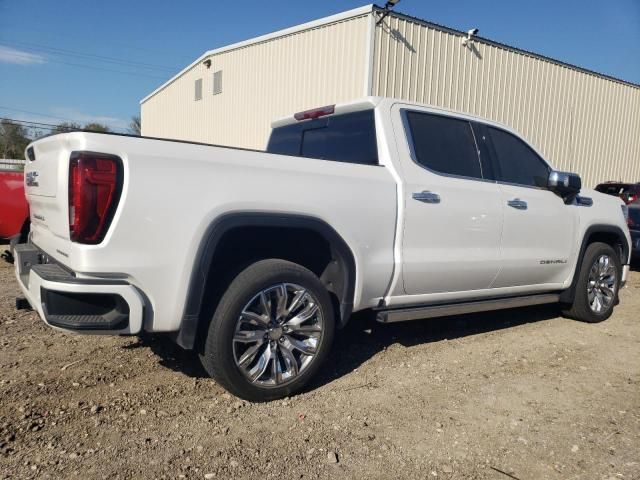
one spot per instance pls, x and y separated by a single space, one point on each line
68 302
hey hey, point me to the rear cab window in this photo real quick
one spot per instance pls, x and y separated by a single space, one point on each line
347 137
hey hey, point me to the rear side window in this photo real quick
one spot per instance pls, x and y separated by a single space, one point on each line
350 138
444 144
517 162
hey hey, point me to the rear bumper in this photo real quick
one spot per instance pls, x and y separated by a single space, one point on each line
70 303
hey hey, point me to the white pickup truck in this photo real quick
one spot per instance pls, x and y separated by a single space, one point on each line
256 259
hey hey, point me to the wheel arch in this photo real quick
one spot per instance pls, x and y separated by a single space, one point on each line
339 276
609 234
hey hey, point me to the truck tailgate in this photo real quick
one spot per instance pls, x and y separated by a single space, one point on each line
46 180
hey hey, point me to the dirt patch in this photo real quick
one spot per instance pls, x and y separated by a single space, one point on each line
521 393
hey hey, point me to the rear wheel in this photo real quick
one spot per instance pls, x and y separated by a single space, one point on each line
597 287
270 332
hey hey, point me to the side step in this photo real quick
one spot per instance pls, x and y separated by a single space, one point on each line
443 310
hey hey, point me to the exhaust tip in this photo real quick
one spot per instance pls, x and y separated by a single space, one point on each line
23 304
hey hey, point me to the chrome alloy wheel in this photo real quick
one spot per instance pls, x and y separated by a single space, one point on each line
601 286
277 334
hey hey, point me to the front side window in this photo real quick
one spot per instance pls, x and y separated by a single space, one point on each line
517 162
349 138
444 144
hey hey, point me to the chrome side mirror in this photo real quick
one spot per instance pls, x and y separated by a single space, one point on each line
565 184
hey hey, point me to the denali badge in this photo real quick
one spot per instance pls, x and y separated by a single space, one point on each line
552 262
32 179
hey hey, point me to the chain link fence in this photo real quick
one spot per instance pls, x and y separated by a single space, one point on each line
11 164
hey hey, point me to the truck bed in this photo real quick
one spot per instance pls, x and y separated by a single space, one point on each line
173 191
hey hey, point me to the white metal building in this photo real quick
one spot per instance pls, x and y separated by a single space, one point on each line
580 120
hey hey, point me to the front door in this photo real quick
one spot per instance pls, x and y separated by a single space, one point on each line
452 209
538 236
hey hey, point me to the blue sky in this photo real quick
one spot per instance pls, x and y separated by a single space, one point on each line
86 60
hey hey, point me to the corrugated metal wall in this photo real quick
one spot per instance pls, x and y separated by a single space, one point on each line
579 121
260 83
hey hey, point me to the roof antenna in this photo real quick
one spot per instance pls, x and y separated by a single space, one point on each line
387 10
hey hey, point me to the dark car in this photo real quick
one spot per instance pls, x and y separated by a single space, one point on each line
634 228
628 192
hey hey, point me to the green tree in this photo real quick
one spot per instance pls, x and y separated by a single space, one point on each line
67 127
135 126
13 140
96 127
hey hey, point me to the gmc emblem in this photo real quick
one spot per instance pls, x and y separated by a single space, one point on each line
31 178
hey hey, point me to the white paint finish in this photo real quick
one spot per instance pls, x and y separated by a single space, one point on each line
453 245
45 170
546 230
175 190
394 146
51 165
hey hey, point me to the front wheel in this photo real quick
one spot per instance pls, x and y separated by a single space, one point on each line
597 286
270 332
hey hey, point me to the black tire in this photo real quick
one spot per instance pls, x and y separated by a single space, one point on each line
217 353
580 308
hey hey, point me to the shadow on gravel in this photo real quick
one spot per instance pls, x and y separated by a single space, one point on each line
364 337
171 356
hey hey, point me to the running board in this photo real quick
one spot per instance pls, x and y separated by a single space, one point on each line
433 311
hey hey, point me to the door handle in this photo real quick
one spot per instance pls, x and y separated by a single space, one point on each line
517 203
426 197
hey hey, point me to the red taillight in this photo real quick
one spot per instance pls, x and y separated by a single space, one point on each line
315 113
95 182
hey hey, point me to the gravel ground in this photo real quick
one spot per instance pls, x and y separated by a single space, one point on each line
516 394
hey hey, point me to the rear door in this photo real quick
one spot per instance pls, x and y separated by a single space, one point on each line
452 210
539 232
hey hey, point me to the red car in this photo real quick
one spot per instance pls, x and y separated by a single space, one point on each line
628 192
14 210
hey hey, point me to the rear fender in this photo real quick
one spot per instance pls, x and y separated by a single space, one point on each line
189 326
